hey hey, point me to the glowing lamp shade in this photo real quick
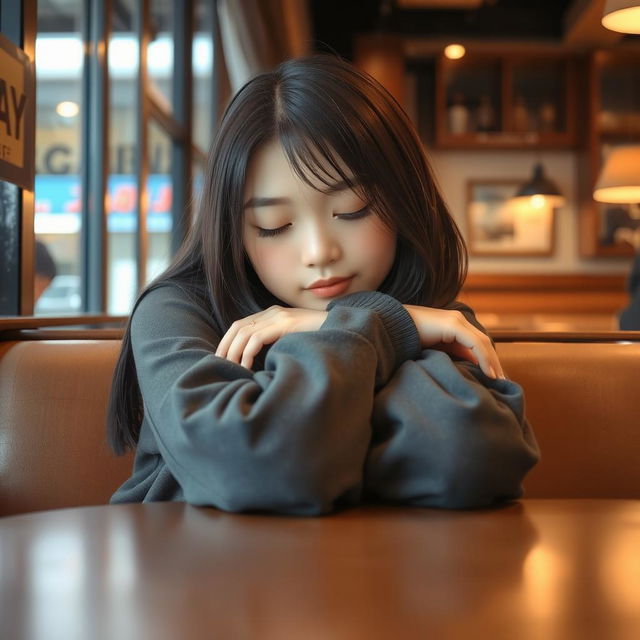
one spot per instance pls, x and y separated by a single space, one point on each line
622 16
619 180
540 191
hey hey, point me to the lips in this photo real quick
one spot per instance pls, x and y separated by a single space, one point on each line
330 288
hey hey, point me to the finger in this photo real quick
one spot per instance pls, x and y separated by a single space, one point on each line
481 347
226 340
239 342
493 356
229 337
255 344
457 350
252 320
497 365
488 358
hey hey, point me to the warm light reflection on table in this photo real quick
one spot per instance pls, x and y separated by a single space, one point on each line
534 570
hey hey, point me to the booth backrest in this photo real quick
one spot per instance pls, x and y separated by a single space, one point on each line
53 449
581 402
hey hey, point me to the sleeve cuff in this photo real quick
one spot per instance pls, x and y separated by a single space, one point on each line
399 325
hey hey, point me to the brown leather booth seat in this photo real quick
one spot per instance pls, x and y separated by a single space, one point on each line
581 401
53 449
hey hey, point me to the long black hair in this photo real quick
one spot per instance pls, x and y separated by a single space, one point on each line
325 113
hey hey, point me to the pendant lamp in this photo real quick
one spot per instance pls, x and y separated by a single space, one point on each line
619 180
622 16
540 190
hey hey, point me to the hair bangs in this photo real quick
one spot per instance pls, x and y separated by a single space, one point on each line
315 162
320 140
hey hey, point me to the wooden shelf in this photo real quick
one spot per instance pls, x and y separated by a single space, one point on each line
505 100
504 140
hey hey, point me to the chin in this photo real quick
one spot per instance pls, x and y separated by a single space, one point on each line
320 305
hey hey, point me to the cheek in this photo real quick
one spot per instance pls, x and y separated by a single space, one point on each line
378 244
268 262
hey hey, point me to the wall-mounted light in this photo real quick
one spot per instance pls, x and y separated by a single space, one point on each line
622 16
67 109
540 190
454 51
619 180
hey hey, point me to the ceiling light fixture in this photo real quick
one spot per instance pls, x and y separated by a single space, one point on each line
454 51
622 16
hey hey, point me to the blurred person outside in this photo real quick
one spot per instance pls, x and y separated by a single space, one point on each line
45 270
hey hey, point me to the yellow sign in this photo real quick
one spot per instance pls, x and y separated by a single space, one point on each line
16 115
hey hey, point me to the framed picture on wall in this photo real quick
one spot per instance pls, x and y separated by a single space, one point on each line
499 225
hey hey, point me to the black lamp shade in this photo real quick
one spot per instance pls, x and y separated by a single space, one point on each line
540 185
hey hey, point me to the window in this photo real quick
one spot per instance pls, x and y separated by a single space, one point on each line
118 134
58 184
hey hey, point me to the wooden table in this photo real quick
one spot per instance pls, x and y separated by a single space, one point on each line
535 569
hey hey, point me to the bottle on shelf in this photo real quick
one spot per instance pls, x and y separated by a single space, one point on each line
458 115
547 116
521 118
485 119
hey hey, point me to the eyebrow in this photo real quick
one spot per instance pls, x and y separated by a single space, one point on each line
253 203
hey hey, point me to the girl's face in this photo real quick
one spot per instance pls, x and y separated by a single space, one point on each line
296 236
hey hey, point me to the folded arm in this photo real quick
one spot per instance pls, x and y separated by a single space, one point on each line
291 438
446 435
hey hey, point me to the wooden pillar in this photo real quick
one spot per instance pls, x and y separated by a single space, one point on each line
382 56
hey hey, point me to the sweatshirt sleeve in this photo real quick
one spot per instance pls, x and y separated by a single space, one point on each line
446 435
291 438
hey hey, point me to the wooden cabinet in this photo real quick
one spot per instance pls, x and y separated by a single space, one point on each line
588 102
505 101
613 118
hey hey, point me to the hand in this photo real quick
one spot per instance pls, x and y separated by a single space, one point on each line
451 332
245 338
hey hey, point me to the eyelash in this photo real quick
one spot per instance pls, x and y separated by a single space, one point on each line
355 215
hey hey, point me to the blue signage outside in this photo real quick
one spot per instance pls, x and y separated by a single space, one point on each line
60 194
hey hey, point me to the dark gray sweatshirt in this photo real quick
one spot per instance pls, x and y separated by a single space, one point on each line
355 410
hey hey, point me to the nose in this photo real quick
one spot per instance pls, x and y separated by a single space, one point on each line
320 246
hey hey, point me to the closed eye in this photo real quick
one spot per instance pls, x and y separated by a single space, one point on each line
269 233
360 213
354 215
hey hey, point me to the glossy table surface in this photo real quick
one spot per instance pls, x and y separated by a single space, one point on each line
534 569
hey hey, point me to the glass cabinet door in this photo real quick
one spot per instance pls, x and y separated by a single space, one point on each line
505 101
472 97
537 100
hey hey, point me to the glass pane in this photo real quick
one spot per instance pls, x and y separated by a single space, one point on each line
472 95
202 57
160 196
620 96
9 249
539 96
160 51
122 214
58 203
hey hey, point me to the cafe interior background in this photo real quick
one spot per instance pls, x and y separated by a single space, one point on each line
533 101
